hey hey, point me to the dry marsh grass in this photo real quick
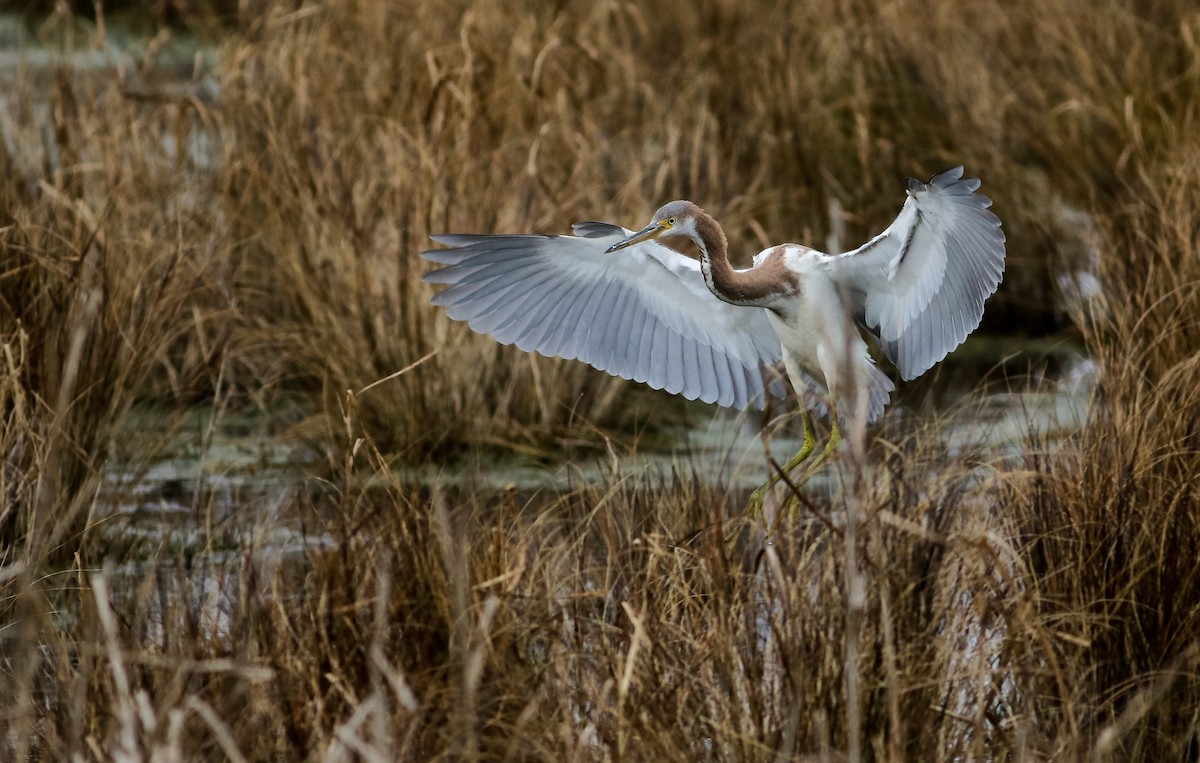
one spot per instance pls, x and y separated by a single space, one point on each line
237 242
1110 525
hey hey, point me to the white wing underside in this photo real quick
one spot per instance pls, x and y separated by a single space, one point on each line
642 313
645 313
919 286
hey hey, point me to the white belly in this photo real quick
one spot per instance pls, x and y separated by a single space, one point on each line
821 341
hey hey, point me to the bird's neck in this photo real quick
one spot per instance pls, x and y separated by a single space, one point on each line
756 287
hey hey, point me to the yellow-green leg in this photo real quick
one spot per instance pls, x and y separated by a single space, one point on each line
754 511
835 439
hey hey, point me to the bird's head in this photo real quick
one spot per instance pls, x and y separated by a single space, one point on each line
677 218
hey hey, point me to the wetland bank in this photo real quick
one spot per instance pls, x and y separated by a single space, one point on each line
216 542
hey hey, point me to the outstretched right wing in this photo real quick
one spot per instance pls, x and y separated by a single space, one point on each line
921 284
642 313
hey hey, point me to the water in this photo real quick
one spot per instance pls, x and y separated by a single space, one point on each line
212 495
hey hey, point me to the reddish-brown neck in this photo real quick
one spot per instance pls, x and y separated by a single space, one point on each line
751 288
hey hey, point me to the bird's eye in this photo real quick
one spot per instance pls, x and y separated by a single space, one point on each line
671 221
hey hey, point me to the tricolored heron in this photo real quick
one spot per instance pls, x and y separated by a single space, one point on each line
628 305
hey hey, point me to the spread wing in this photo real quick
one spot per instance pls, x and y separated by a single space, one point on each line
642 313
921 284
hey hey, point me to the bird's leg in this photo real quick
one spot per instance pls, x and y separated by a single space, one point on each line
835 439
754 512
806 448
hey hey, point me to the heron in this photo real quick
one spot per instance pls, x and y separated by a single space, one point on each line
625 303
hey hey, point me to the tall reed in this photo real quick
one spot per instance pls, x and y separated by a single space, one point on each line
1110 523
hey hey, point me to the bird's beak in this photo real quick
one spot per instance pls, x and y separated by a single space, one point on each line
651 231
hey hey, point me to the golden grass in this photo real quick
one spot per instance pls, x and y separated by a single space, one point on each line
1033 607
1110 524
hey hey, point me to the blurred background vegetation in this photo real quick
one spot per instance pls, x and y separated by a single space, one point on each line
215 209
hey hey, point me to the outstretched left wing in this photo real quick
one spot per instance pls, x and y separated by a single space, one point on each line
642 313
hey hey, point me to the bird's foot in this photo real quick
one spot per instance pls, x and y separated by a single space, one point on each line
783 509
754 509
756 516
752 518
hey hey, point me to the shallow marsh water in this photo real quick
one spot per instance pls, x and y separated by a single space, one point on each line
189 527
212 495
